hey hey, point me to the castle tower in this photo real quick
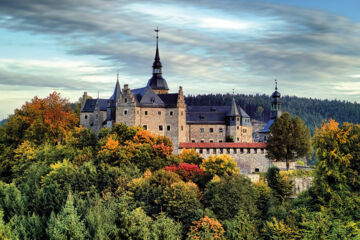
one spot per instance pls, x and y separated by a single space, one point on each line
157 82
275 111
233 122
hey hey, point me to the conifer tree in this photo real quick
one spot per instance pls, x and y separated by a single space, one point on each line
67 224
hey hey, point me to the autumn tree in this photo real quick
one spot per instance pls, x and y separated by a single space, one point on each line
219 165
206 228
190 156
289 139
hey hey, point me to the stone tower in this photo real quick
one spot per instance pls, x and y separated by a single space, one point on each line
233 122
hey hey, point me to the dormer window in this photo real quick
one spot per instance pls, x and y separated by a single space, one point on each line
152 100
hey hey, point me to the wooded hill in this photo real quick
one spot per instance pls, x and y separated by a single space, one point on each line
312 111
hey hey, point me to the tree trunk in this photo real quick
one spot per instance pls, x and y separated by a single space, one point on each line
287 165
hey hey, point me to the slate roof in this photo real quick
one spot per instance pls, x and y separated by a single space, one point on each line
222 145
211 114
90 105
266 129
169 99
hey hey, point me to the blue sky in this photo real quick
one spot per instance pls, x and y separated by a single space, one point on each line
206 46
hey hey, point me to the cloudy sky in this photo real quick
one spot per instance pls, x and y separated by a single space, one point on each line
207 46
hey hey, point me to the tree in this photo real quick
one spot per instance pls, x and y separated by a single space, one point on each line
289 139
206 228
41 120
219 165
225 197
190 156
67 224
241 227
165 228
187 172
281 186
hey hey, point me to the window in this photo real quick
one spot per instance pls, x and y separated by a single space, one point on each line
238 119
221 150
228 150
168 127
202 130
97 116
125 100
182 128
211 130
234 150
145 127
193 140
257 170
160 127
241 150
244 130
238 139
220 140
214 151
171 113
237 127
85 116
248 151
146 112
182 113
255 151
159 112
202 140
211 140
125 112
200 151
208 150
220 130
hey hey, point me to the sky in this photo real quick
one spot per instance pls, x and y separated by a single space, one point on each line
207 46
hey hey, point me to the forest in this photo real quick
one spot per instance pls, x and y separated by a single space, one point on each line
61 181
312 111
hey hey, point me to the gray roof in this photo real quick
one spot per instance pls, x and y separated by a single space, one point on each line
91 103
266 129
211 114
147 97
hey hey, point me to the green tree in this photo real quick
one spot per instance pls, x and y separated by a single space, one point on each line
241 227
227 196
67 224
289 139
136 225
281 186
165 228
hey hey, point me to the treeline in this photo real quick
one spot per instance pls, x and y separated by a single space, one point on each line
61 181
312 111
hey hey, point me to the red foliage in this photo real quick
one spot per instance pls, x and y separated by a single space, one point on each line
186 171
163 149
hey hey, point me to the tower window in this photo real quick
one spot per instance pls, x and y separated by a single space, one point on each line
86 117
145 127
238 119
171 113
211 130
159 112
125 112
238 139
125 100
220 130
202 130
182 128
160 127
168 127
146 112
237 127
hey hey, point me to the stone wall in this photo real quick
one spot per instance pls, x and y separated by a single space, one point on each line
301 184
218 134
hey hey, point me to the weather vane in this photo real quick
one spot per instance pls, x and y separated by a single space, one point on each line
157 32
276 85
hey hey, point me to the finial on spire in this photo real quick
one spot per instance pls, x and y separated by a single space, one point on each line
98 94
117 76
276 88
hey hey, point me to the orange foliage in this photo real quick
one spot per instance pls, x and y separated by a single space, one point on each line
52 113
206 225
163 149
143 136
111 145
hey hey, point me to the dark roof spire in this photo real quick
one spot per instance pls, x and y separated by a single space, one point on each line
276 85
234 108
157 81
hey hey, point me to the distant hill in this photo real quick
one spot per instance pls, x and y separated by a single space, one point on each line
2 122
312 111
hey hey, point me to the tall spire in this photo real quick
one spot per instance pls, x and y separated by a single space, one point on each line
157 82
276 85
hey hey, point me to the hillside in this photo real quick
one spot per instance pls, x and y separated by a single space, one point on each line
2 122
312 111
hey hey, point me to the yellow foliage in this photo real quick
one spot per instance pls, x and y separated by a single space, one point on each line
219 165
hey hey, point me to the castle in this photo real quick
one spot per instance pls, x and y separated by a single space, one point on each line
207 129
